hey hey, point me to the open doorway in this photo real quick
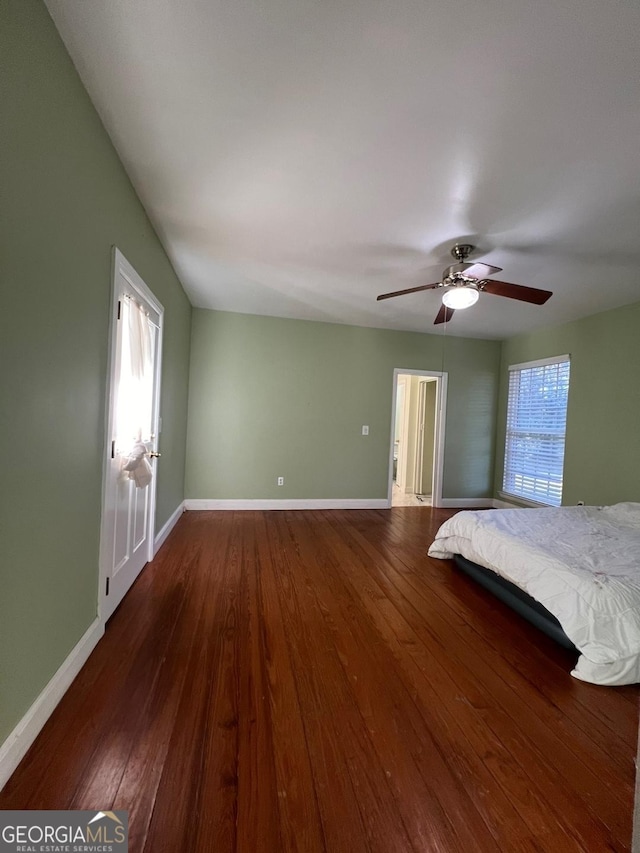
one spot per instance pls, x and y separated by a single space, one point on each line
415 475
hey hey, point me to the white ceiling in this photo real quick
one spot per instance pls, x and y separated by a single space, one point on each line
299 157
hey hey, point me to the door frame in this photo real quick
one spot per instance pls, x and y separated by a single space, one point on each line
121 267
441 416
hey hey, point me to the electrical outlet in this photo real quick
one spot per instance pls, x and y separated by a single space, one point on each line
365 429
281 481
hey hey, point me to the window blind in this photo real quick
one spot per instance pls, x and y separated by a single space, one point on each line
536 426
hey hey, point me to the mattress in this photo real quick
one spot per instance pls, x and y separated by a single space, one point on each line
581 563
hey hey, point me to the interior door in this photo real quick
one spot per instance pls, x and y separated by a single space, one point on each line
399 445
425 450
130 470
420 432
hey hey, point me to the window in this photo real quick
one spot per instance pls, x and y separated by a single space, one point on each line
536 424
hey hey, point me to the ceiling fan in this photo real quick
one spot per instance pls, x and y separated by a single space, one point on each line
463 282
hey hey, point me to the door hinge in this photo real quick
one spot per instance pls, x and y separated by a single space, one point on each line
107 592
119 307
113 449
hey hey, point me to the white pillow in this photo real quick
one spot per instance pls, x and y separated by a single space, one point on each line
627 512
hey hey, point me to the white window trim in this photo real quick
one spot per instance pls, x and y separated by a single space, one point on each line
527 502
541 362
527 365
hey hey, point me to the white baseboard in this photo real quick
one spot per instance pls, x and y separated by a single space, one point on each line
336 503
467 503
16 745
166 528
328 503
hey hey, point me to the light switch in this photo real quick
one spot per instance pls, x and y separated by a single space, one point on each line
365 429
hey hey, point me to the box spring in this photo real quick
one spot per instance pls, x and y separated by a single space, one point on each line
517 599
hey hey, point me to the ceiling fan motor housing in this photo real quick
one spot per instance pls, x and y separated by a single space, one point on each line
456 272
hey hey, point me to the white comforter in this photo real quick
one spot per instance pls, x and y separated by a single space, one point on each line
581 563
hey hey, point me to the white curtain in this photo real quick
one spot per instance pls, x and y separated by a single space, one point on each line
134 409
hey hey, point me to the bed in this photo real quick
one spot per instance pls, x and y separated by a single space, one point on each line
582 566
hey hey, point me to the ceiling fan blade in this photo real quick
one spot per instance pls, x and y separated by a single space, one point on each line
516 291
481 270
408 290
444 315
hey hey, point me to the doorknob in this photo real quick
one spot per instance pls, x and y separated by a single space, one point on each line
154 454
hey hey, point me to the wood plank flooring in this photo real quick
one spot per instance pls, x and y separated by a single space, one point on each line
312 681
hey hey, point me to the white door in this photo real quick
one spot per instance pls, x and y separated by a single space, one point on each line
422 407
400 431
130 470
425 437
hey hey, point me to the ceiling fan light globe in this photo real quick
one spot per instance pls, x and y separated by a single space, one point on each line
460 297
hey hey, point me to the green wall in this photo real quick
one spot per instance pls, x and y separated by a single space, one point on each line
65 201
272 397
602 451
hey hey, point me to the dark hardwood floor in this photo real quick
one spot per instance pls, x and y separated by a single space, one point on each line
312 681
